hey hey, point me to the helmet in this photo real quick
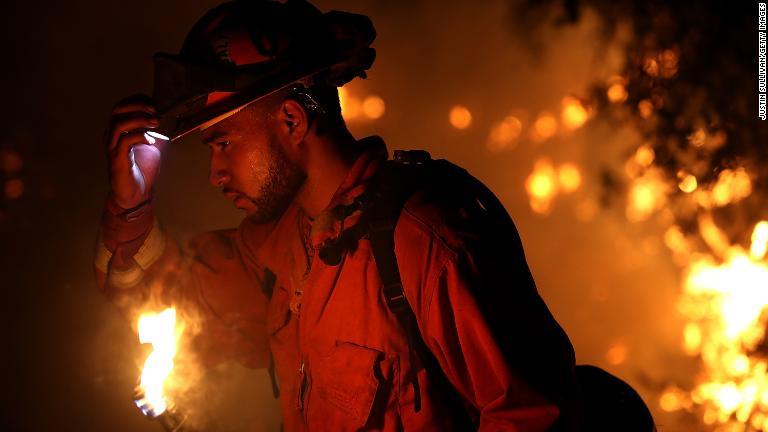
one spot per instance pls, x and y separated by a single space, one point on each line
244 50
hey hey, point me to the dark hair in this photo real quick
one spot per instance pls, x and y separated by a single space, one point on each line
321 102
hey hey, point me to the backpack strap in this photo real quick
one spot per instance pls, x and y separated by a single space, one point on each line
397 182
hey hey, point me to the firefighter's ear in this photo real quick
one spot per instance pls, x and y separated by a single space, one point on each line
293 121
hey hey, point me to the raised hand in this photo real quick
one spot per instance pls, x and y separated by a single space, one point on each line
134 156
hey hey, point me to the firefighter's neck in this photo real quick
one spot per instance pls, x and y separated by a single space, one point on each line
327 163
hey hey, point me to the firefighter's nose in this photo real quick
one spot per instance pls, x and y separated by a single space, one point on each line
218 177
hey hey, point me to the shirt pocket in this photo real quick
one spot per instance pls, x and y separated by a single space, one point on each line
348 387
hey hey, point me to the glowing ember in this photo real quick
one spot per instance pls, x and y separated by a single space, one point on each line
541 186
574 114
460 117
617 93
160 330
687 183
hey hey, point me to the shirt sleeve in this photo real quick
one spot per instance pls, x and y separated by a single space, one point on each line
212 279
505 355
481 316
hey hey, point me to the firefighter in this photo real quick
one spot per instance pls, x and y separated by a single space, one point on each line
382 294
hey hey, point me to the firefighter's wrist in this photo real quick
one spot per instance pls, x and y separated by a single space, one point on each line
127 214
121 226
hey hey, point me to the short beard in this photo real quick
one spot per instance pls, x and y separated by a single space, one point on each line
284 179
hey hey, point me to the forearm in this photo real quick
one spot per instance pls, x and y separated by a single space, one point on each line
132 251
139 265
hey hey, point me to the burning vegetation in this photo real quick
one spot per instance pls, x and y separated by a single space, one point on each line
698 172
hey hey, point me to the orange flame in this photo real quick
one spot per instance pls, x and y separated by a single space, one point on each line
160 330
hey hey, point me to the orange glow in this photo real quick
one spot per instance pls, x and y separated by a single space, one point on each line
668 61
547 181
14 188
698 138
644 155
675 239
726 306
460 117
573 114
651 66
541 186
670 401
351 107
687 183
645 108
617 93
586 210
374 107
732 186
10 162
692 339
504 133
569 176
759 241
617 354
544 127
647 194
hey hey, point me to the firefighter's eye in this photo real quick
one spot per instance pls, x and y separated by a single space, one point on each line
222 145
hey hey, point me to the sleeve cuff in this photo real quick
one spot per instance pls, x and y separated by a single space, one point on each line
148 253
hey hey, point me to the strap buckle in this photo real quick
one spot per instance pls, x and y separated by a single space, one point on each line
395 297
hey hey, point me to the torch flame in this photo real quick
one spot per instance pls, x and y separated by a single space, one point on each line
158 329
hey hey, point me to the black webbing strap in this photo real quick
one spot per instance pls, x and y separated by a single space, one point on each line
268 281
393 187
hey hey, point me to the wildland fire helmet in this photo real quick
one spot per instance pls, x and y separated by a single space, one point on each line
244 50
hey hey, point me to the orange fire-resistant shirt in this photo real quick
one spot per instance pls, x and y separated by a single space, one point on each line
341 357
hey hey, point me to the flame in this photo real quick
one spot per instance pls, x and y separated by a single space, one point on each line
726 305
160 330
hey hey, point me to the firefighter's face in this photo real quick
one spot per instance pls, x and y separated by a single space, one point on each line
249 163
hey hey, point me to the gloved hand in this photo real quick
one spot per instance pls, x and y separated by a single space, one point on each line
133 156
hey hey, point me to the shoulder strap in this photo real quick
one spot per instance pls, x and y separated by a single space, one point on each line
395 185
